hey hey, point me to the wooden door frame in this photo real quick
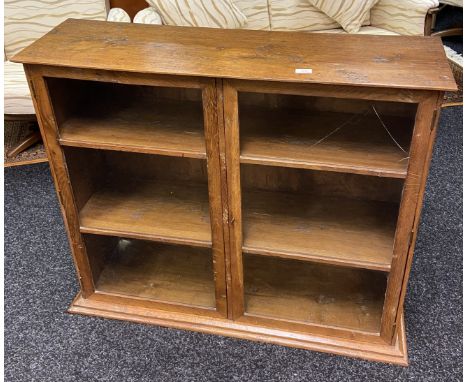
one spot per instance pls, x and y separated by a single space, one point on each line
412 195
50 131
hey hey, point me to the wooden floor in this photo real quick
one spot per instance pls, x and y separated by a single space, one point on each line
314 293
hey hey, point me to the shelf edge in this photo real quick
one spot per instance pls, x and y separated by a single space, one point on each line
132 149
383 267
149 237
320 166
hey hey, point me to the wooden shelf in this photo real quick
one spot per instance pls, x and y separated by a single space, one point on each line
338 231
168 212
314 293
174 129
287 137
166 273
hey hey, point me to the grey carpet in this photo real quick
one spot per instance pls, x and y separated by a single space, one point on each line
43 343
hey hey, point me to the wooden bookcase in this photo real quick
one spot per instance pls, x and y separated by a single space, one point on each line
207 185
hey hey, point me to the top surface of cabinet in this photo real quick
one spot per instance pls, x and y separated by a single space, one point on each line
358 60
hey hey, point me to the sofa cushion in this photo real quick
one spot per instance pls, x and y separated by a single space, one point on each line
364 30
455 3
350 14
118 15
256 12
16 91
27 20
298 15
148 16
406 17
199 13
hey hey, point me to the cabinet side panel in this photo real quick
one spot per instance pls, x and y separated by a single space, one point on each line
58 166
409 261
410 209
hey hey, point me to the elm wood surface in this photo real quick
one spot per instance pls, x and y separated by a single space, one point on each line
60 175
42 95
170 129
224 190
297 291
168 273
425 174
410 210
99 248
322 184
84 184
234 194
153 210
392 69
387 61
215 190
353 233
328 141
331 91
427 109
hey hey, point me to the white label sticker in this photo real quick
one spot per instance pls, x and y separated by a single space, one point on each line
303 71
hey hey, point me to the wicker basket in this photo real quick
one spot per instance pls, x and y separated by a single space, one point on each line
14 132
456 64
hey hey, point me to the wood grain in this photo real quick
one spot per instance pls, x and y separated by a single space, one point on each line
168 212
409 260
409 213
60 175
297 291
328 141
264 244
326 184
394 353
170 129
211 129
338 231
331 90
99 249
231 133
387 61
224 193
174 274
84 186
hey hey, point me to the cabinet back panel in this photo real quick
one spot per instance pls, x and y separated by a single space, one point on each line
99 248
91 169
71 96
341 105
143 166
270 178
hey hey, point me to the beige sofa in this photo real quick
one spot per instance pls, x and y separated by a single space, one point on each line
387 17
25 21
